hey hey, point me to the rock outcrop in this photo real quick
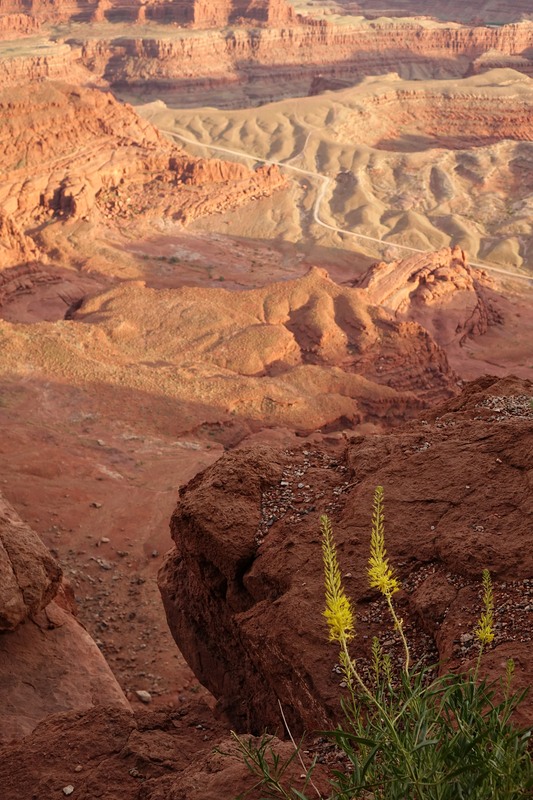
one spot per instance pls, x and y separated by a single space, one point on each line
243 587
198 13
58 668
180 754
18 24
305 353
48 662
72 153
477 11
15 247
451 299
29 576
37 61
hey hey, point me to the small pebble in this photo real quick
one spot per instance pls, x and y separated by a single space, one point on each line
144 697
68 789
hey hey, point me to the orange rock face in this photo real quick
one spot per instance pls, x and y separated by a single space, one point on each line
61 147
451 299
475 11
299 51
305 353
201 13
71 153
17 24
29 576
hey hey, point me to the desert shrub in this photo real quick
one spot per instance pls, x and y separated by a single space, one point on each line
408 733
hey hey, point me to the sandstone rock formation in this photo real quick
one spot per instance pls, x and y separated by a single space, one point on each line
451 299
243 588
178 754
29 576
65 149
285 59
72 154
495 11
305 353
50 664
58 668
17 24
199 13
15 247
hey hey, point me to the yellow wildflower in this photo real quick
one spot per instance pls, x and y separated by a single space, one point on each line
380 574
339 615
485 626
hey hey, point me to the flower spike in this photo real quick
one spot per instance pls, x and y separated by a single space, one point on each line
339 615
380 574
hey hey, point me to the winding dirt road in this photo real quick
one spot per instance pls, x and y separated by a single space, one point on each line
325 183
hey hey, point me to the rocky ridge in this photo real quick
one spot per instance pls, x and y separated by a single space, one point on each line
82 142
196 13
303 353
492 11
448 297
72 154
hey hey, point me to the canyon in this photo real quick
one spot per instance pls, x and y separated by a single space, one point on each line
256 257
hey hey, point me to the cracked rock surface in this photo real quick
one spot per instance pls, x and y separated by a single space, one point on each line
243 586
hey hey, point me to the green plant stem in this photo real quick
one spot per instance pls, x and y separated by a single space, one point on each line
398 624
478 662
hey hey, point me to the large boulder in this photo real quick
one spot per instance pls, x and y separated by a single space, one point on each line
29 575
48 661
48 666
243 586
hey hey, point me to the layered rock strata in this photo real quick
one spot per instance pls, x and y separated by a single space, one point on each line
243 586
77 154
480 11
299 52
200 13
451 299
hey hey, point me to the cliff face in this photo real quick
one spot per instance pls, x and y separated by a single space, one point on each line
198 13
443 293
42 61
17 24
495 11
302 50
77 154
